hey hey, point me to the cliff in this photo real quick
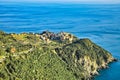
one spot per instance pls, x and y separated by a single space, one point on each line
50 56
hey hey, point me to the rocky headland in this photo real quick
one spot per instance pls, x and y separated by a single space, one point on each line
50 56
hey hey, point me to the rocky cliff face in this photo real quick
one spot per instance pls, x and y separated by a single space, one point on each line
50 56
86 55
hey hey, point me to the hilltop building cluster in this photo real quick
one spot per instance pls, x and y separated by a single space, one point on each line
62 36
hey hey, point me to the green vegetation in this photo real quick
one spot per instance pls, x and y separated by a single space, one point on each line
49 56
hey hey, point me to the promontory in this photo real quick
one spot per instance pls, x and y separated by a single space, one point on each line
50 56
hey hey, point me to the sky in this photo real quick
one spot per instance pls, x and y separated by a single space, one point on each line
67 1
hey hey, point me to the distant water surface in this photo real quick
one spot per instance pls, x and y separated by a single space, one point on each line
100 23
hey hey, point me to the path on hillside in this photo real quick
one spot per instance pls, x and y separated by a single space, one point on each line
16 54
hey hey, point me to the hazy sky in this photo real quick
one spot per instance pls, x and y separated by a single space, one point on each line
80 1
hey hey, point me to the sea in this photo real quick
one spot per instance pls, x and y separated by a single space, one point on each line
98 22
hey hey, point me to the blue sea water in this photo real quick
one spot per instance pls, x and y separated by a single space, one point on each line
99 22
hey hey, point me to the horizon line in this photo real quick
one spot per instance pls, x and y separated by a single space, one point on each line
65 2
61 2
